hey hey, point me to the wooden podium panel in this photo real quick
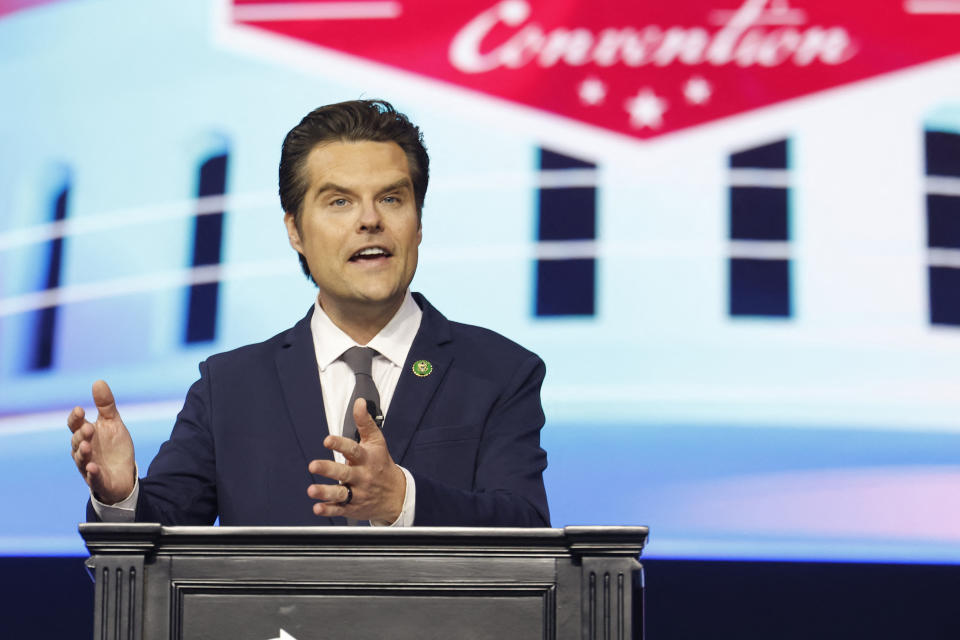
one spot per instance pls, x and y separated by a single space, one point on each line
321 583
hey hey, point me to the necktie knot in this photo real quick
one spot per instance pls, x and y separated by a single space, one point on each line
359 359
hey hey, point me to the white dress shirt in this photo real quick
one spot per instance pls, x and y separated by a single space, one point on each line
336 384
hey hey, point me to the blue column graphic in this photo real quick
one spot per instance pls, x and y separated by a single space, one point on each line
566 286
45 329
943 227
759 213
201 323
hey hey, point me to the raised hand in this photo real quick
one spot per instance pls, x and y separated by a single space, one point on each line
374 484
103 451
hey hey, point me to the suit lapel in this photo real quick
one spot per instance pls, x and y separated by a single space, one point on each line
296 363
414 393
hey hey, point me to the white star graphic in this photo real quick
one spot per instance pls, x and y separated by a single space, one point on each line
592 91
646 109
697 90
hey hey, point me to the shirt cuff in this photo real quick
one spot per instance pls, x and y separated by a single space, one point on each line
122 511
409 504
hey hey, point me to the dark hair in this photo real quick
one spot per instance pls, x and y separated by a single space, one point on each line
352 121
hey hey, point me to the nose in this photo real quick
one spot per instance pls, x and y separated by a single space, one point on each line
370 219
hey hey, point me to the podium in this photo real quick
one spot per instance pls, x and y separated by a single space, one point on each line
313 583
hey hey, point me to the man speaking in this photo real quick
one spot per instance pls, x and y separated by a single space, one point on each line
374 407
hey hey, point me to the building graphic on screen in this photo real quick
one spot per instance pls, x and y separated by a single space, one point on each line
776 265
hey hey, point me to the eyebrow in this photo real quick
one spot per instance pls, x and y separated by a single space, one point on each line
330 186
402 183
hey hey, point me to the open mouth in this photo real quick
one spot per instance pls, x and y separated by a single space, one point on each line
370 253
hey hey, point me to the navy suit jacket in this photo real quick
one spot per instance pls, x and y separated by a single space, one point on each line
469 433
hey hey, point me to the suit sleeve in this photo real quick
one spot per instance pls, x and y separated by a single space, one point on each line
180 485
508 488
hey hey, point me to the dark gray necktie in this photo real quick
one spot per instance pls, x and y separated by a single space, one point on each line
360 359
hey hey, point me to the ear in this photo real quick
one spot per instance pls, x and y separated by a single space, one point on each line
293 235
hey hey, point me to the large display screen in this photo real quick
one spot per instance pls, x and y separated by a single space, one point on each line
731 228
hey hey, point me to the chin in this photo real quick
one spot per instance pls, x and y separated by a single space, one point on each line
380 295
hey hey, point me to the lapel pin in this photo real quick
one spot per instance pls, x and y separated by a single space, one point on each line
422 368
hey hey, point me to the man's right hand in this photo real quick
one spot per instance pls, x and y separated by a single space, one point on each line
103 452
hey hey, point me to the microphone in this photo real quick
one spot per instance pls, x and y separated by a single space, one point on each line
374 412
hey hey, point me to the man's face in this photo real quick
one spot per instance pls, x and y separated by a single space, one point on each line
358 228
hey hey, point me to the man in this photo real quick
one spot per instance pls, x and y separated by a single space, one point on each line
264 437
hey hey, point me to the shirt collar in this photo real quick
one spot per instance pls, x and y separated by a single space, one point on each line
393 342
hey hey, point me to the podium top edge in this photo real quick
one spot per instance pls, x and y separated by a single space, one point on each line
135 528
151 537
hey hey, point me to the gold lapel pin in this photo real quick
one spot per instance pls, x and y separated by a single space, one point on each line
422 368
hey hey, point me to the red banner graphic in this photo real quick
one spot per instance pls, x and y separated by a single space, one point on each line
12 6
637 68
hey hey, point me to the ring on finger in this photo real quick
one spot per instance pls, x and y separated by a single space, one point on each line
349 497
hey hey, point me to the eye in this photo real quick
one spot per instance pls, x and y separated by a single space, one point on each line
391 199
339 202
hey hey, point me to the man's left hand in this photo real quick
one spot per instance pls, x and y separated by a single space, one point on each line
377 483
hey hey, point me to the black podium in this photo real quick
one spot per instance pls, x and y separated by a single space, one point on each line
313 583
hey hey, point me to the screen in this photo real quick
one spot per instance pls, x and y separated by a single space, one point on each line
731 229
